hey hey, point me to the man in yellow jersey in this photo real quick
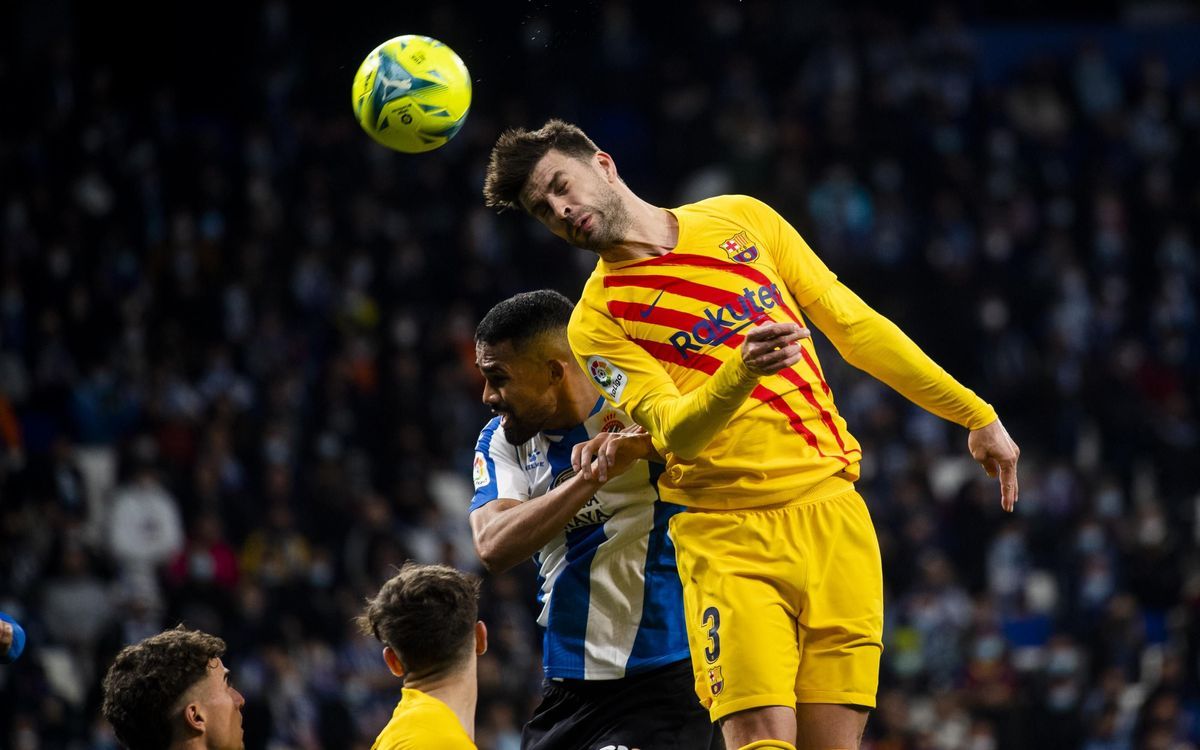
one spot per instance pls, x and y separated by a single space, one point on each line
426 618
693 323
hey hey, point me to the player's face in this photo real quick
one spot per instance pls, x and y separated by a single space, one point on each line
222 705
517 388
576 200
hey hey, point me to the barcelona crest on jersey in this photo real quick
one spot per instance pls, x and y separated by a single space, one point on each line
740 248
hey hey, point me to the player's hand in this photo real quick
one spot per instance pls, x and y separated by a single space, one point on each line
772 347
6 637
997 454
610 454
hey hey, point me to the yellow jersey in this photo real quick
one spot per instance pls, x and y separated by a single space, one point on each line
660 337
422 722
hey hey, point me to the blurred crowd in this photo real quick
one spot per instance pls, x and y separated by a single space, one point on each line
237 377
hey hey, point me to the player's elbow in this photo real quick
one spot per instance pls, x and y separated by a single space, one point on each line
687 455
682 445
494 558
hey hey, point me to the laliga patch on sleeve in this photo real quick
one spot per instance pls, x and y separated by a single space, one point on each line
480 471
609 377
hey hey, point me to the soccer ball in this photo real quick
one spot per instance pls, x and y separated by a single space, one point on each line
412 93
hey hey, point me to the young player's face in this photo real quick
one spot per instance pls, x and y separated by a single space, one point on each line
517 388
576 200
222 706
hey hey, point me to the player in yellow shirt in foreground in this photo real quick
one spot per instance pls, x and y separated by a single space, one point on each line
426 617
693 323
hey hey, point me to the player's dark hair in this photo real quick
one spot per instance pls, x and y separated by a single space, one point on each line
518 150
427 615
145 682
523 317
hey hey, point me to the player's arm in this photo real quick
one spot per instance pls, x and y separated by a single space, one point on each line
681 423
874 344
507 530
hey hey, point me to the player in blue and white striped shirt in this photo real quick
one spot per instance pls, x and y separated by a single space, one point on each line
615 648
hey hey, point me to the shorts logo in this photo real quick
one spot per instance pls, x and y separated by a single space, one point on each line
716 681
479 471
740 248
609 377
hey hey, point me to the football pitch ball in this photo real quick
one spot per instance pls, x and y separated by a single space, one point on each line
412 93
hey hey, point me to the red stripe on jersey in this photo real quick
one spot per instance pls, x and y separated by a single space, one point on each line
667 317
806 390
703 261
662 316
675 285
717 296
714 296
816 371
709 366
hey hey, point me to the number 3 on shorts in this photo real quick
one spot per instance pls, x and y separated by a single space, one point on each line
712 621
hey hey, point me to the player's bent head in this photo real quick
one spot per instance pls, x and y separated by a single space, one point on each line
517 152
524 319
426 615
147 684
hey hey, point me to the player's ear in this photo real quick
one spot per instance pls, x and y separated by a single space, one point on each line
480 638
607 166
193 716
393 661
557 370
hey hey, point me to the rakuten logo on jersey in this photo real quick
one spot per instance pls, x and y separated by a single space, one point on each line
720 323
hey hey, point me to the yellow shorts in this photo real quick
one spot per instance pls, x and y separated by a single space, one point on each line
783 605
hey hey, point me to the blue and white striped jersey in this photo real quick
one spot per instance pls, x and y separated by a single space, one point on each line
611 602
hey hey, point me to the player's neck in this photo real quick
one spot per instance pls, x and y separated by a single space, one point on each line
577 400
652 232
459 691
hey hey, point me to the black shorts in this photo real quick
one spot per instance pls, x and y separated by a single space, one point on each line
655 710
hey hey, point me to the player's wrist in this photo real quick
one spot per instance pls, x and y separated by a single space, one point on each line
740 372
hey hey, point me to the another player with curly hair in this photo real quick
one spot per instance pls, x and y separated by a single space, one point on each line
173 691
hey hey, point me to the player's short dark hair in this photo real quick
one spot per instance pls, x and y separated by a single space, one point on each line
518 150
427 615
523 317
145 682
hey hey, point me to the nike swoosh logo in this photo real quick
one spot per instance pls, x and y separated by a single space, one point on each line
646 312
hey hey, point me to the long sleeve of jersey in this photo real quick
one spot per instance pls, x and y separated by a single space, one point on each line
680 423
874 344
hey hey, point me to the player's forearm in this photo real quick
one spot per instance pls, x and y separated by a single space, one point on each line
517 532
874 344
684 425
